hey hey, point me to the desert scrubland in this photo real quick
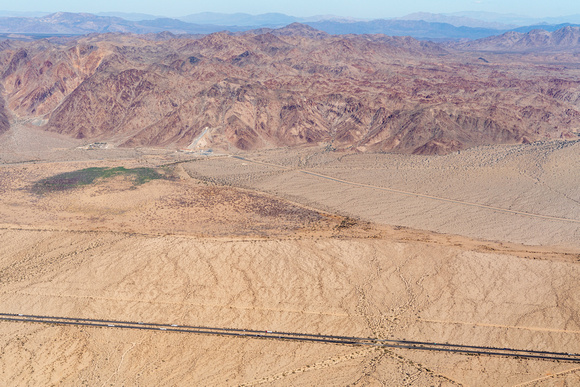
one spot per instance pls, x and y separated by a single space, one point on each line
291 181
476 248
526 194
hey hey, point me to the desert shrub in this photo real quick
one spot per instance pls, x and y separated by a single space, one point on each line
74 179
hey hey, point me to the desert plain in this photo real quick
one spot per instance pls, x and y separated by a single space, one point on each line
478 247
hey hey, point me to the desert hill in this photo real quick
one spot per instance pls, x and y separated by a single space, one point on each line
295 86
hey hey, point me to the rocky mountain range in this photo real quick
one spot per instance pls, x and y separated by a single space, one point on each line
567 38
64 23
421 26
496 21
293 86
457 21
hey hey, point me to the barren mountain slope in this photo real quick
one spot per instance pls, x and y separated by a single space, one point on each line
4 121
283 89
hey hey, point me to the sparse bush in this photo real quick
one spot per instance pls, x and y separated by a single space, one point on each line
346 223
69 180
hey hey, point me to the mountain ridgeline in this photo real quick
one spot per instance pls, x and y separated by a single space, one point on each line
420 26
293 86
566 38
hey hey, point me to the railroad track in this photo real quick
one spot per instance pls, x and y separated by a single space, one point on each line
292 336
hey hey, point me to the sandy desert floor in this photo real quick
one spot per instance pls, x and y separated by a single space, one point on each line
525 194
476 248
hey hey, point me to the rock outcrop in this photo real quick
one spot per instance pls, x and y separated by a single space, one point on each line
4 122
287 87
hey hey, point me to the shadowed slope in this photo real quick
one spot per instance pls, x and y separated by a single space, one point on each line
289 87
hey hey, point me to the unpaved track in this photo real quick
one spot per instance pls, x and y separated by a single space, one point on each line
414 194
193 252
331 286
519 194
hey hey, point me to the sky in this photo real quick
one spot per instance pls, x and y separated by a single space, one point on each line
358 8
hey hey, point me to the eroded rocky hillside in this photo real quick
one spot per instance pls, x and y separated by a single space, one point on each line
287 87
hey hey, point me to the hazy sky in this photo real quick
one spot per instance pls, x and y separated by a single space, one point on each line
354 8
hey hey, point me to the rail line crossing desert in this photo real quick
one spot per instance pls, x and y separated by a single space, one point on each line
305 241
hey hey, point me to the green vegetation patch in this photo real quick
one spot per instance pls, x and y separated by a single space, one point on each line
69 180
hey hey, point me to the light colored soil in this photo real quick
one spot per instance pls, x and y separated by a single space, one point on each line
190 251
159 207
368 287
522 194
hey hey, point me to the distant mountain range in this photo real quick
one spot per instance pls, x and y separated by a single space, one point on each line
518 20
65 23
241 19
562 39
420 25
458 21
417 29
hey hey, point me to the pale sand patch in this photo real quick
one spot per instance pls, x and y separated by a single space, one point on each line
190 251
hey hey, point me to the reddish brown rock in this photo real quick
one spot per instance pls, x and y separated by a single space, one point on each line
288 87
